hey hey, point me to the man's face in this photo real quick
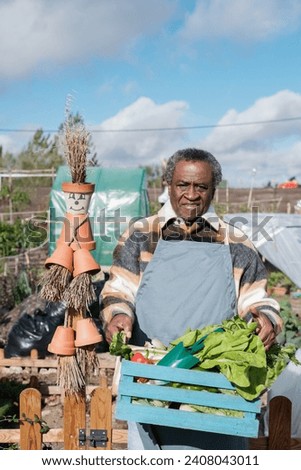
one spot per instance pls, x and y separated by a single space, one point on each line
191 189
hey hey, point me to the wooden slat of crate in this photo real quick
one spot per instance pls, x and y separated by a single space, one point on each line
126 409
181 395
246 426
171 374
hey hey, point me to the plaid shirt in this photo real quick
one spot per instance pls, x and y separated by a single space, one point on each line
136 247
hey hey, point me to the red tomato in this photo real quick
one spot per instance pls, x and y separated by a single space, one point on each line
138 357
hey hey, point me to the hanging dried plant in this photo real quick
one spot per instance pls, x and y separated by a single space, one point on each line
80 293
54 282
70 376
88 360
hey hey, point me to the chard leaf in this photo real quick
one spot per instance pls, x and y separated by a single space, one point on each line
118 346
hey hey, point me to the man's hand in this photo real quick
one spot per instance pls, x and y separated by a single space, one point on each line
120 322
265 328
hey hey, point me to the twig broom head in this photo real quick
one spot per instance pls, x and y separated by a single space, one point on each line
70 376
76 148
80 293
54 282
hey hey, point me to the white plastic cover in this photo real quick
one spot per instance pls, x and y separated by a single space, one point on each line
288 384
277 237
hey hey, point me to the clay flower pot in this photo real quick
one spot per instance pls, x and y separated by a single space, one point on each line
280 290
87 333
80 225
62 256
84 262
62 342
77 197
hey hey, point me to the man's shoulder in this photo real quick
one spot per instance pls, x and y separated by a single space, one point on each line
236 235
142 224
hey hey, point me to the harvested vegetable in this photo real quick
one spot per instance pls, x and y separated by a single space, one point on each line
138 357
234 350
238 353
119 347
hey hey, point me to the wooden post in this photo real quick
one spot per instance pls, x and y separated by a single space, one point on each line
10 200
227 198
101 411
30 408
74 419
34 354
280 423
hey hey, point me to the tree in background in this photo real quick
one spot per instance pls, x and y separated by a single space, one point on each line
153 175
42 152
7 160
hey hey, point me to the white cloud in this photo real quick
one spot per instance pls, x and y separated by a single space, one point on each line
251 20
5 142
14 142
141 148
272 148
38 32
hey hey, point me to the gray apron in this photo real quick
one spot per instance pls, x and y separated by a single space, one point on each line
186 285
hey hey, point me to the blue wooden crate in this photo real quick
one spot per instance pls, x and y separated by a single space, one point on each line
129 389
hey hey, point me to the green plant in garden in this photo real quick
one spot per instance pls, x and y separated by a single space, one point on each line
291 333
18 197
19 236
22 287
9 401
279 279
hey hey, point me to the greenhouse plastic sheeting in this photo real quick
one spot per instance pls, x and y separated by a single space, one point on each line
277 237
120 195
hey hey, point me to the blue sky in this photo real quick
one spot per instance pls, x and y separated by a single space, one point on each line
204 69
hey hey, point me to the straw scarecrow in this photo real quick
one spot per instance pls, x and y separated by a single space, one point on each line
70 269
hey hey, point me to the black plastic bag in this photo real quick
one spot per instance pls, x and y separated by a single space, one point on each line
35 331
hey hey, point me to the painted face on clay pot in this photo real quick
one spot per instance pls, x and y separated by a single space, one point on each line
77 203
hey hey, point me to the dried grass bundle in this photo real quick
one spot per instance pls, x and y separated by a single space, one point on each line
70 376
88 360
54 282
76 149
80 292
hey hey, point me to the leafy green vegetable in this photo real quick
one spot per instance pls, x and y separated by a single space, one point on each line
192 336
239 354
118 346
218 411
277 358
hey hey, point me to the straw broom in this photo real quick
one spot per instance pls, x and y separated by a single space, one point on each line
54 283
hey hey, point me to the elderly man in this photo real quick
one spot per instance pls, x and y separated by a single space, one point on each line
186 268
